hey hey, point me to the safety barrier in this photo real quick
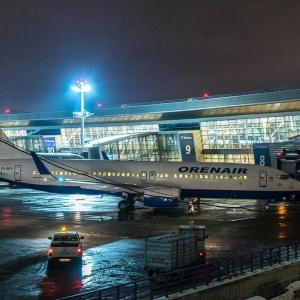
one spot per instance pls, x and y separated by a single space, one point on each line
201 275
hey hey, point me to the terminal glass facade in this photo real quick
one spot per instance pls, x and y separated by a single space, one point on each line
149 147
226 140
71 136
20 138
219 138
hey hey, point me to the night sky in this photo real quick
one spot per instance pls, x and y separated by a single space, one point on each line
137 51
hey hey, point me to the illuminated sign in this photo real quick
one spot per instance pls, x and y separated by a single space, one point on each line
187 147
217 170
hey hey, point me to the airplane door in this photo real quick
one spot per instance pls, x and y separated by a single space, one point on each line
18 173
152 176
262 178
143 175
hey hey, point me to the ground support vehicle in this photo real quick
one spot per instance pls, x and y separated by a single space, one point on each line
168 252
66 246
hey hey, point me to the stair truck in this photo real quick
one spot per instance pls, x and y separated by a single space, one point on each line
168 252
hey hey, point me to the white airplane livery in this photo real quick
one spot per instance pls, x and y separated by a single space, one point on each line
154 183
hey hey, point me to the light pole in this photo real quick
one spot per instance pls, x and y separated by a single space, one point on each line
81 87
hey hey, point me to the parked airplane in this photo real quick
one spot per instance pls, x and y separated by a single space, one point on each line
63 155
154 183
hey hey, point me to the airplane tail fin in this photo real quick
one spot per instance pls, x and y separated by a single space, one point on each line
3 136
9 150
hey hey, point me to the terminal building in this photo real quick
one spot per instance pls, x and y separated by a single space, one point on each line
224 128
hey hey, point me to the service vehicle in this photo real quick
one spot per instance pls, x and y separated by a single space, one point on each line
66 246
168 252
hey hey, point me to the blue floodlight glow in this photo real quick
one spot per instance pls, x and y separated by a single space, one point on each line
81 88
86 88
75 89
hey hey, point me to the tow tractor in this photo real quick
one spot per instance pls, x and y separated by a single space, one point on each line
168 252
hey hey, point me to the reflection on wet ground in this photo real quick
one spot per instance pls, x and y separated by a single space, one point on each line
62 281
114 240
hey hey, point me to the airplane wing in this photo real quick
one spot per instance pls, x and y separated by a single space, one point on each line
93 184
104 185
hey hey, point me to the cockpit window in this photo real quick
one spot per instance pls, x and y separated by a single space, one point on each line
283 176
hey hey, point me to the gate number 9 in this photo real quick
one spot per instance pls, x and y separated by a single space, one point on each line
187 149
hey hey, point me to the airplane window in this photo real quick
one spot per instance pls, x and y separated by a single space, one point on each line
34 172
175 175
201 176
180 175
211 176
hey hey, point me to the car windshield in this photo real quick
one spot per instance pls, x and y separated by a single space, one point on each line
65 237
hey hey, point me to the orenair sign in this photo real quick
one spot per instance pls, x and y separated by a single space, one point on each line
217 170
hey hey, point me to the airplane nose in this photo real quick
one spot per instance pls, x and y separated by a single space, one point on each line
297 185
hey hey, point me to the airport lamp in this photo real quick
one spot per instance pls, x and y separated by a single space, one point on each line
81 88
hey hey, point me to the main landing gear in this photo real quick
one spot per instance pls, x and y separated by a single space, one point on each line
126 203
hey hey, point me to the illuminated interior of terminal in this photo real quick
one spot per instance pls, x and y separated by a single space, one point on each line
220 140
240 134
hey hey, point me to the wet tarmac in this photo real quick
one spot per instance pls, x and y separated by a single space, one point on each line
114 241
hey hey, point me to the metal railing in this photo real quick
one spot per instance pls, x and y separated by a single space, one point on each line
190 278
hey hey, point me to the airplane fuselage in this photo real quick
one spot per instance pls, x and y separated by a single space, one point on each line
151 178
